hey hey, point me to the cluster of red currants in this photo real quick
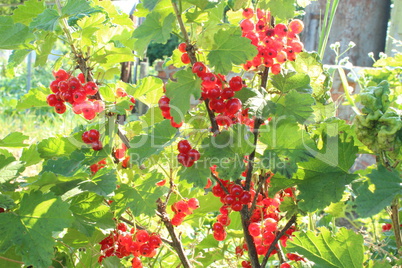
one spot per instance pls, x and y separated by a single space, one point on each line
92 137
220 93
187 155
97 166
74 90
264 218
123 243
121 93
275 44
120 155
165 108
183 208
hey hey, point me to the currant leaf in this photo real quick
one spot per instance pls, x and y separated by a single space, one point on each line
230 48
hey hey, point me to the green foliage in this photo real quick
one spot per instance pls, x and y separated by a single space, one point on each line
342 249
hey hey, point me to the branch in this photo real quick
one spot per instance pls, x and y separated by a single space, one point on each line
11 260
250 165
176 243
252 252
277 237
396 224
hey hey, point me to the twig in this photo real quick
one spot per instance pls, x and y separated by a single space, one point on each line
277 237
11 260
396 224
250 165
176 243
252 251
254 203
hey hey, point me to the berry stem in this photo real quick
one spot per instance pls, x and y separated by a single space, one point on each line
257 123
220 183
289 224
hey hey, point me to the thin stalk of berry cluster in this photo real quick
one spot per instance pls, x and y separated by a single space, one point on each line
260 184
277 237
257 123
11 260
176 243
396 224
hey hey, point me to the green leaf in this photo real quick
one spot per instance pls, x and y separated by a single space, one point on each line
30 155
230 48
297 105
28 11
103 183
260 106
375 195
141 199
74 7
180 93
13 36
287 144
55 147
144 146
196 174
282 9
17 57
31 227
14 140
310 64
36 97
155 28
45 45
47 20
343 249
6 201
321 185
227 150
90 212
237 4
289 80
9 170
247 93
149 90
66 165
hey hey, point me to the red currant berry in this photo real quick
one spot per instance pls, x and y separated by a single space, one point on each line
276 68
209 80
136 263
174 124
52 100
61 75
237 206
81 77
79 96
227 93
199 68
183 146
233 106
296 26
236 83
248 13
185 58
194 155
193 203
182 47
60 107
63 86
54 86
142 236
85 137
223 219
164 103
270 225
217 105
246 25
74 83
155 241
120 92
178 219
93 135
91 88
254 229
97 145
280 30
220 236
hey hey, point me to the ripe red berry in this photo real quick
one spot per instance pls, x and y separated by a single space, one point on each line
220 236
164 103
233 106
79 96
194 155
199 68
174 124
254 229
145 250
296 26
280 30
136 263
63 86
209 80
184 146
142 236
52 100
237 206
248 13
227 93
74 83
85 137
246 25
90 88
88 112
217 105
178 219
81 77
223 219
182 47
61 75
54 86
193 203
60 107
185 58
276 68
93 135
236 83
155 241
120 92
97 145
270 225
